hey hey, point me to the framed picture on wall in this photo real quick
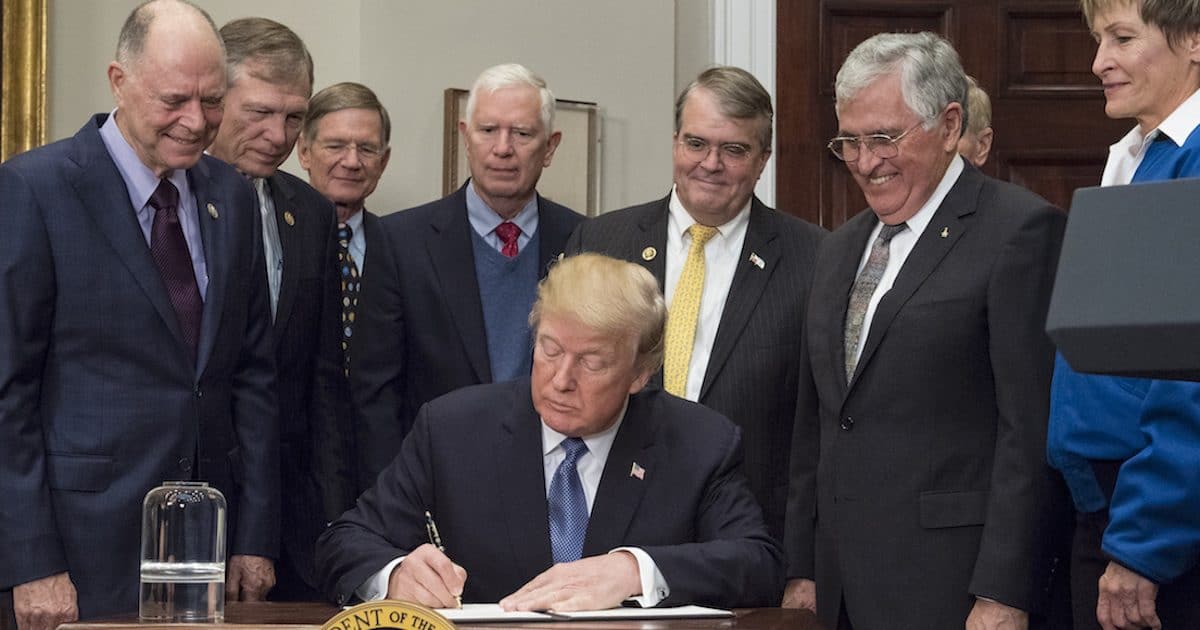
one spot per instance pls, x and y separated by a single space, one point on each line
573 177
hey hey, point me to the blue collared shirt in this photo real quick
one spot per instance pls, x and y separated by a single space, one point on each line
140 183
484 220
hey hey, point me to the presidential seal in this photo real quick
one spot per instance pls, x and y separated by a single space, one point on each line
388 613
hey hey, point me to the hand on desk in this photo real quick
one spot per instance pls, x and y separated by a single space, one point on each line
428 577
800 593
45 603
1126 600
595 583
248 578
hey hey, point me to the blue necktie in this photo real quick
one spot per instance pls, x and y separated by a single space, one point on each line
568 506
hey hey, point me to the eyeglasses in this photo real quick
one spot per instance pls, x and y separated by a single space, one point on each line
366 152
698 149
849 148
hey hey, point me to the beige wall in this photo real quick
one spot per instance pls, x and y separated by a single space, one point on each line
618 53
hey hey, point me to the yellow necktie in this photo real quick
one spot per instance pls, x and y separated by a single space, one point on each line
685 308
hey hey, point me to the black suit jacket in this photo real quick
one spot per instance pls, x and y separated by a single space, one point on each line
101 400
421 328
306 335
474 460
751 375
931 486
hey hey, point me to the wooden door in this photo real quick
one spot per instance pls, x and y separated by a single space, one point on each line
1033 57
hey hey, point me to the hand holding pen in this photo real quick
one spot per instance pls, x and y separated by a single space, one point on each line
427 576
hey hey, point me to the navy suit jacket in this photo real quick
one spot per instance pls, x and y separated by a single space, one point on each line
922 483
752 371
99 400
474 460
307 347
421 328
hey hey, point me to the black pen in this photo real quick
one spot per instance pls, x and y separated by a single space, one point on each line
435 539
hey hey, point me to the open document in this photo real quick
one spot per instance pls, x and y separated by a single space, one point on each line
478 613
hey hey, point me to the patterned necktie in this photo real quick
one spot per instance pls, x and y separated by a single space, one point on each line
864 287
685 309
272 246
170 252
568 506
350 285
508 233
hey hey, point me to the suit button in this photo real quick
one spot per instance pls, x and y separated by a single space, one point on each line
847 423
185 464
198 393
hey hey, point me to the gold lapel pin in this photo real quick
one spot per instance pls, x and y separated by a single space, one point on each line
945 232
289 218
649 253
212 211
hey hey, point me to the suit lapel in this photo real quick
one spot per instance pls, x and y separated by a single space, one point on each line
100 183
518 462
214 233
282 197
620 492
651 242
452 255
749 281
650 250
552 234
939 237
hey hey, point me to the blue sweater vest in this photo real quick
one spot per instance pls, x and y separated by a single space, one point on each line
507 289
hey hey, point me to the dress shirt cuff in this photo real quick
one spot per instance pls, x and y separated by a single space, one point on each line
654 585
376 586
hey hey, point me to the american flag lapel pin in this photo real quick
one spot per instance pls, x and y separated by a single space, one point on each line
637 471
758 262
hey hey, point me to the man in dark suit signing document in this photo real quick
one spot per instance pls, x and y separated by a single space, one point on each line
570 490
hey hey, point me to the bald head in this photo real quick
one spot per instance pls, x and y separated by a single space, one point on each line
178 17
169 84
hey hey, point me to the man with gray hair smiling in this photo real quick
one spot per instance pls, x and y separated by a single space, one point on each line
573 489
919 487
450 308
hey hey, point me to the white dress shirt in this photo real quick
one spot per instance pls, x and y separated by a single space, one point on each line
902 244
590 468
1126 155
720 262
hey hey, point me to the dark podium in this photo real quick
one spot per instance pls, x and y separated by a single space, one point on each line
1126 298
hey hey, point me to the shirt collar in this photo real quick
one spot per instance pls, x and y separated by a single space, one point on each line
1177 126
921 219
485 220
355 221
140 181
599 444
679 220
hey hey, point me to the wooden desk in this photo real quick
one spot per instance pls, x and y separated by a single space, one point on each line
310 616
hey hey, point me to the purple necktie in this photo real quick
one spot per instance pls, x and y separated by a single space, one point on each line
174 263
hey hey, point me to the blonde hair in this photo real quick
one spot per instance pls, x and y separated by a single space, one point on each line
979 108
1175 18
614 297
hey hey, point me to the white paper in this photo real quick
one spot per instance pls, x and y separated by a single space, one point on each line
493 613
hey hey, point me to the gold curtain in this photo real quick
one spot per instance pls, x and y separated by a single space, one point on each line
23 76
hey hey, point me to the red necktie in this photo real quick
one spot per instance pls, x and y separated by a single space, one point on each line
170 252
508 233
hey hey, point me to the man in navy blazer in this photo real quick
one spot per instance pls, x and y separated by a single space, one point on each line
271 76
344 148
572 489
134 337
450 310
744 353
